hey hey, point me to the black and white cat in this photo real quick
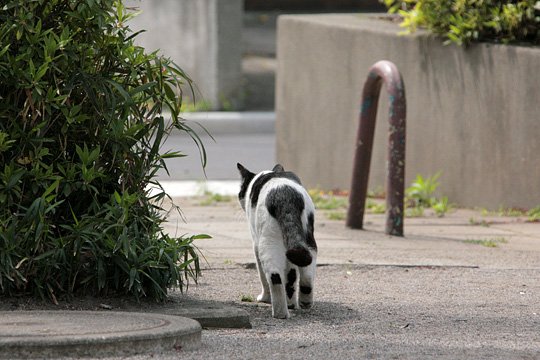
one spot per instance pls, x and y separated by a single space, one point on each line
281 218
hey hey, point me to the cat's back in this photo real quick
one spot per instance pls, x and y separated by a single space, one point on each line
281 188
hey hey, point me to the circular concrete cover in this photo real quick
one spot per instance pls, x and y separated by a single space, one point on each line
52 334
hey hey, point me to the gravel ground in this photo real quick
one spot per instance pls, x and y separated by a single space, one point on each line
364 312
381 312
386 312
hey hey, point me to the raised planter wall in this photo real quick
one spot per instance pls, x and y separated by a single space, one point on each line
473 114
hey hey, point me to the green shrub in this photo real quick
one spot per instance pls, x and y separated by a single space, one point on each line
421 193
464 21
441 206
534 214
81 125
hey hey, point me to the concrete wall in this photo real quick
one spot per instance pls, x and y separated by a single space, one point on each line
202 37
472 113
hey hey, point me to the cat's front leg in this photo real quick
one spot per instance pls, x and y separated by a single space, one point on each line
264 296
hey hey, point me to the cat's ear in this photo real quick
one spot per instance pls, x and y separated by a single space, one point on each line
243 171
278 168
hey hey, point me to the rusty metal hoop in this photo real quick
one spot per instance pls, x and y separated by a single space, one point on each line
387 72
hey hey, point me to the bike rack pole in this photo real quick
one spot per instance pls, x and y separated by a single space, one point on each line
387 72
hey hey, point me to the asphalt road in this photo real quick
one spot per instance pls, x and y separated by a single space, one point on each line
256 151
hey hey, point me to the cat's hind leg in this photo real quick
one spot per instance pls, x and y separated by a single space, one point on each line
307 282
279 299
291 287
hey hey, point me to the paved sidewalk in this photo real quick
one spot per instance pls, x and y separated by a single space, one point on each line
462 238
438 293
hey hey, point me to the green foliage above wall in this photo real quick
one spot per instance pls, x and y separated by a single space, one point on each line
465 21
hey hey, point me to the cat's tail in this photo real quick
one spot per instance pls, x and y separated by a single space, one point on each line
287 206
299 256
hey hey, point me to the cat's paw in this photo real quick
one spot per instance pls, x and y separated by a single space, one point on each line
281 314
292 304
264 298
306 305
306 297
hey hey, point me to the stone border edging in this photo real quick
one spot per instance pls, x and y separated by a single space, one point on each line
53 334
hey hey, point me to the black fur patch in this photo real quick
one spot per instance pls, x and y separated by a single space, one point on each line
305 290
310 238
299 256
263 179
285 200
276 279
247 176
291 278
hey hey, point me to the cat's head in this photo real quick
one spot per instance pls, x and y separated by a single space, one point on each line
247 177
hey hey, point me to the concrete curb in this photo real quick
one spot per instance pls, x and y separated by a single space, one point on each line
53 334
231 122
211 315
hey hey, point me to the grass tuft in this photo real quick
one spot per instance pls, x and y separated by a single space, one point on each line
490 243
